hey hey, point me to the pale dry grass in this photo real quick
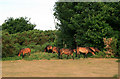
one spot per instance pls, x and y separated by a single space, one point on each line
90 67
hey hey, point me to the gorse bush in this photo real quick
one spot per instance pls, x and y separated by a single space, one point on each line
36 40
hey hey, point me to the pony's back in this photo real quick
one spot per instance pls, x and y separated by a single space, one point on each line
24 50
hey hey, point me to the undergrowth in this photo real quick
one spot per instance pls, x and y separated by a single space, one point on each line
49 56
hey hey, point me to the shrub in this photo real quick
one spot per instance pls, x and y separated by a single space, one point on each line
36 40
111 46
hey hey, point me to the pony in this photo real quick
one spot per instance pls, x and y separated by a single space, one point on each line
84 50
48 49
55 50
66 52
24 51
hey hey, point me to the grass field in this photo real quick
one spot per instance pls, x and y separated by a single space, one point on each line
90 67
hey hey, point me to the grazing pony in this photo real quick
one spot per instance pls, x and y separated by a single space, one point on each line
84 50
55 50
48 48
24 51
94 49
66 52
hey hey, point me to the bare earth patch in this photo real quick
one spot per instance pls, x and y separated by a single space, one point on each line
90 67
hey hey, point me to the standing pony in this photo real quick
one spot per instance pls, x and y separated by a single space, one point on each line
66 52
24 51
84 50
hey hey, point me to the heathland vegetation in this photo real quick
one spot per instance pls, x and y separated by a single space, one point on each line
79 24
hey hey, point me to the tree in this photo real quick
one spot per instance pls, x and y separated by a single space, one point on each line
86 23
17 25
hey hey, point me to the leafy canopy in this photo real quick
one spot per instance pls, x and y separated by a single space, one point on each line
17 25
86 23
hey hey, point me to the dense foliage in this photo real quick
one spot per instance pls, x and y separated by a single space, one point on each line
79 24
17 25
34 39
86 24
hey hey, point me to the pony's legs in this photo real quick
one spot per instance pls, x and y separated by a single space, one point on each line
23 55
85 55
79 55
72 56
61 56
67 56
76 54
52 51
29 53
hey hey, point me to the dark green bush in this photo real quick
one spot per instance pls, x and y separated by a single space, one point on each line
17 25
36 40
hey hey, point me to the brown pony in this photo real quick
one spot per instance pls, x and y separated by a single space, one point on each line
94 49
66 52
24 51
48 48
55 50
84 50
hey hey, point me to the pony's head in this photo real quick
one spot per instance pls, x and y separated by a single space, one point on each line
20 51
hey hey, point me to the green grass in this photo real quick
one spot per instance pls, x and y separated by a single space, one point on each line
49 56
115 76
38 56
12 58
118 60
41 55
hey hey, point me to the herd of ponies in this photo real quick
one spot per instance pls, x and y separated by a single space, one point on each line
60 52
